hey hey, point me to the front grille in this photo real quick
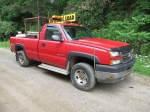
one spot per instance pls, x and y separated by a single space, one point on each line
126 56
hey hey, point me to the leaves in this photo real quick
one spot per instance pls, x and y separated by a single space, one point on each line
6 28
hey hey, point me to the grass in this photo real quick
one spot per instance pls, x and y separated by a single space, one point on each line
5 44
142 65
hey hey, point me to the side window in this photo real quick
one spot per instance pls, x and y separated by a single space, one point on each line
51 30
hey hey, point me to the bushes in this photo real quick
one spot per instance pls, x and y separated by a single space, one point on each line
90 13
127 31
134 29
6 29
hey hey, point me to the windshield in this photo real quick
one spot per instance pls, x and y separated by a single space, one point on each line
76 32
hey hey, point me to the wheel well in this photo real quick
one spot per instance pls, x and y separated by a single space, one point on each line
18 48
77 59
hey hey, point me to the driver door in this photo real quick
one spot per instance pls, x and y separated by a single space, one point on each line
50 51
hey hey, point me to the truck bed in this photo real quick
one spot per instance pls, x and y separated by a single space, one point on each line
29 44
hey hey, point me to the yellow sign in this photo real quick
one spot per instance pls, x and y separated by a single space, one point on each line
64 18
69 17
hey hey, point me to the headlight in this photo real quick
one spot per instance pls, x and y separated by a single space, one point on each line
114 54
115 62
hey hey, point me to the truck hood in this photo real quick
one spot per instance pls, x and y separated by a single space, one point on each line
101 43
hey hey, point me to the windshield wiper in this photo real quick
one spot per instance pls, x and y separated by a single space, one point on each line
81 38
78 38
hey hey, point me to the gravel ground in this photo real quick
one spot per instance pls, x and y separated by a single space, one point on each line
33 89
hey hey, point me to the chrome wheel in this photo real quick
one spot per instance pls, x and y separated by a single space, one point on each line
21 59
81 77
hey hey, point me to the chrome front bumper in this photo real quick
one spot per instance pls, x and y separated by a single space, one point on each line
106 77
112 74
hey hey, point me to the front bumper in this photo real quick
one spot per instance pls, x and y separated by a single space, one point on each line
112 74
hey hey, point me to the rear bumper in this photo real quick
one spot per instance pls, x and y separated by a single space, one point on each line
112 74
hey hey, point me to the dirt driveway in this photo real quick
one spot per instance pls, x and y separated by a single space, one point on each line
33 89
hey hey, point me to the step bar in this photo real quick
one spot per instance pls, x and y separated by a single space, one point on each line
53 68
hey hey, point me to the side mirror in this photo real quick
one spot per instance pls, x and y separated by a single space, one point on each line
57 38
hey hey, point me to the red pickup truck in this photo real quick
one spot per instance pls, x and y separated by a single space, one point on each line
70 49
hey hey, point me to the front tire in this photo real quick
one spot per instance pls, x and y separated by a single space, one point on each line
82 76
22 59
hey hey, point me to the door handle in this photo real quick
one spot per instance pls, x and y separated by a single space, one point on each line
43 45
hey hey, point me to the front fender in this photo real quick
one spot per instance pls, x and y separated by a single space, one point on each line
81 54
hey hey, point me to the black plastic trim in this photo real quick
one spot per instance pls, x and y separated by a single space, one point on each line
115 68
120 49
19 45
82 55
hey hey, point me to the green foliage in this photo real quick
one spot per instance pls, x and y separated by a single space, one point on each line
135 30
6 29
126 31
89 12
144 49
142 65
15 11
5 44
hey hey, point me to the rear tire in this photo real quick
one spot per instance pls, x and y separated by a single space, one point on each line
82 76
22 59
